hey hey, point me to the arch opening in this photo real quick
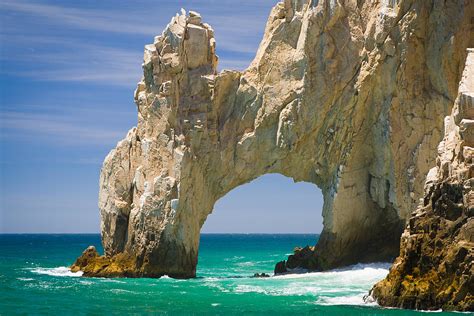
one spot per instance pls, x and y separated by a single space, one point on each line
257 224
270 204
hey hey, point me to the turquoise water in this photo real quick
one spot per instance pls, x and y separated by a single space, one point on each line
34 280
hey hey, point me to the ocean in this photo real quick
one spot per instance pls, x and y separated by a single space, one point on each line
34 280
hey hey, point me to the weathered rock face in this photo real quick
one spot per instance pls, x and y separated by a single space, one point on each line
302 260
94 265
435 268
348 95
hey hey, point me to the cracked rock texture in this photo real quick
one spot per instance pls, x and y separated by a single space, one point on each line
348 95
435 268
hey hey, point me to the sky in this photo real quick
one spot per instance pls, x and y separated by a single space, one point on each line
68 70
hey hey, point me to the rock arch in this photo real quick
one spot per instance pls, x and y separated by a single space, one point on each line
348 95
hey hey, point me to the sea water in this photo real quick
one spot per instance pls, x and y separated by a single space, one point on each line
34 279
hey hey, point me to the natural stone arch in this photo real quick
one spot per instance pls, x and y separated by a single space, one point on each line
336 96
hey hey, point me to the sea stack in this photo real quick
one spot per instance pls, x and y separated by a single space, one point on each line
348 95
435 268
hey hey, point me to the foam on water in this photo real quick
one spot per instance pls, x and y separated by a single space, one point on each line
119 291
345 300
234 258
25 279
247 264
368 272
58 272
86 282
346 286
105 280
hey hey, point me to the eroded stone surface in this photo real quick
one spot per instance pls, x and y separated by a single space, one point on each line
348 95
435 268
94 265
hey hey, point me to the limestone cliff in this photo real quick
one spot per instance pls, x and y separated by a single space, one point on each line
435 268
348 95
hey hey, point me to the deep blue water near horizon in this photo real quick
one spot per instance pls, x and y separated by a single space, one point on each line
34 280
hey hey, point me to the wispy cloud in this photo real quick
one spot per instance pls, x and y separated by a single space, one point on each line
146 15
104 74
73 61
64 129
236 64
88 19
53 39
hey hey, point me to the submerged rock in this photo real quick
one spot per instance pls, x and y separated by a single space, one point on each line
261 275
435 268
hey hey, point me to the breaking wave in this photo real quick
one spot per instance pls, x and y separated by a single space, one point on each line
57 272
346 286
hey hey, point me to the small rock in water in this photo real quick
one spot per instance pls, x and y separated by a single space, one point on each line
261 275
280 268
88 256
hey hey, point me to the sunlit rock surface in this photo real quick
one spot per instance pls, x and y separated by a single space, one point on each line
435 268
348 95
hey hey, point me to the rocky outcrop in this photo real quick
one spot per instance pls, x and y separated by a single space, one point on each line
261 275
94 265
435 268
302 260
348 95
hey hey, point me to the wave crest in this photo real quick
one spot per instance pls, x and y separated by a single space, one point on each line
57 272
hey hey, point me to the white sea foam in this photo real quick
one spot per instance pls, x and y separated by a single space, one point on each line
105 280
345 300
234 258
118 291
363 272
299 289
59 272
25 279
250 289
246 264
346 286
211 279
216 285
86 282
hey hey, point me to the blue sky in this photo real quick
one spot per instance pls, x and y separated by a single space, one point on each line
68 70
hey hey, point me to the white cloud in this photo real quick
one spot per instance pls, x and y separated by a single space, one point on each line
45 37
57 129
88 19
68 60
